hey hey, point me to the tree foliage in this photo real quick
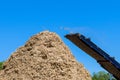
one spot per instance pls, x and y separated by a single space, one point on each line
1 65
102 75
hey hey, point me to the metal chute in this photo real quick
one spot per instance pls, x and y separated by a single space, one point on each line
107 62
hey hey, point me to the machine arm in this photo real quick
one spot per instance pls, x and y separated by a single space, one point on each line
107 62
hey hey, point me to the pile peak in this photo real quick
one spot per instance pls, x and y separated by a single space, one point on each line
43 57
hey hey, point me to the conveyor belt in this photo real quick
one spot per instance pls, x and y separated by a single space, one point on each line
107 62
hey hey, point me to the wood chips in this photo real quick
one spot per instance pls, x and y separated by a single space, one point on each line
43 57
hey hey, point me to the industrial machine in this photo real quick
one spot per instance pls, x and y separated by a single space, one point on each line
107 62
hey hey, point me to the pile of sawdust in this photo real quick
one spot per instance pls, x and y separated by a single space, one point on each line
43 57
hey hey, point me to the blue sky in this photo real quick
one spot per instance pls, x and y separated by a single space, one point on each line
97 19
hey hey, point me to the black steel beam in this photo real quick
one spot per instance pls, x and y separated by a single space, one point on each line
107 62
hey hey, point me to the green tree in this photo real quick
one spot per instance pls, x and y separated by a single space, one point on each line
102 75
1 64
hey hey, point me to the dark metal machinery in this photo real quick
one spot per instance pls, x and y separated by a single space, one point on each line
107 62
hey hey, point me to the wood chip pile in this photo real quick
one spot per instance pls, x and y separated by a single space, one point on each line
43 57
